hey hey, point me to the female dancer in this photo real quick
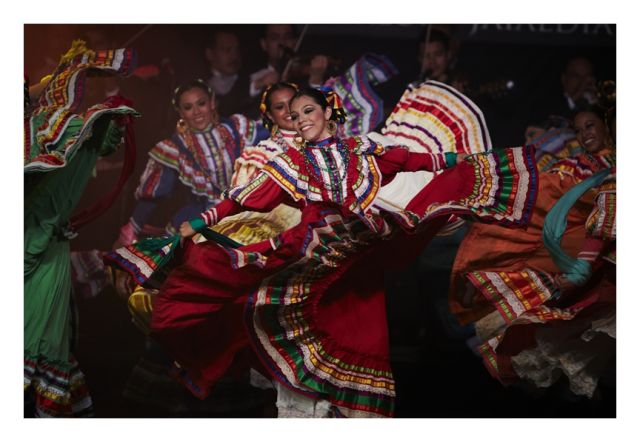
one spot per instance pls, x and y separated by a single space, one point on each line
533 316
310 299
251 227
61 150
195 165
246 227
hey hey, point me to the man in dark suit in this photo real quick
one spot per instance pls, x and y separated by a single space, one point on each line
228 81
578 87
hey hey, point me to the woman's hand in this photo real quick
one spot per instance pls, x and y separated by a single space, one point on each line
186 231
128 236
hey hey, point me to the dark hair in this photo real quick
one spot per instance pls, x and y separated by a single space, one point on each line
177 93
265 27
594 109
435 36
337 114
268 123
213 36
575 57
539 117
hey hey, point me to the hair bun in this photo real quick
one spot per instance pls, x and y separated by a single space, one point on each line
335 102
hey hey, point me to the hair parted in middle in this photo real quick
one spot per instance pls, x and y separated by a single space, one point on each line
265 100
198 83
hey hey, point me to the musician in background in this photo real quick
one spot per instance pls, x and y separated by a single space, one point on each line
278 42
436 58
228 81
578 87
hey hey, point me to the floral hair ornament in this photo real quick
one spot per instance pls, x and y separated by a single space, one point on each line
265 93
335 102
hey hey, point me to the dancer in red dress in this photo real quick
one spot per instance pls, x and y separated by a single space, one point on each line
310 301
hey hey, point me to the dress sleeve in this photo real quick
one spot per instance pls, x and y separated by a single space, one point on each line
250 131
400 159
601 223
592 248
249 164
157 181
261 195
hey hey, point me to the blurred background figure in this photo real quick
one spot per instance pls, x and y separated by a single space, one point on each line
435 56
578 83
228 81
277 41
577 88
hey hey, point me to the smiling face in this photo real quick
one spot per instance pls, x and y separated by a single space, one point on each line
196 108
310 119
279 111
591 131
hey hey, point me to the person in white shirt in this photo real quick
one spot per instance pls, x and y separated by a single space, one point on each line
278 43
578 82
228 82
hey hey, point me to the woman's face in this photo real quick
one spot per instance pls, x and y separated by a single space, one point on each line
279 108
196 108
309 119
591 131
437 59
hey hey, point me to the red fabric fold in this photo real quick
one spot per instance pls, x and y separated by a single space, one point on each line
80 219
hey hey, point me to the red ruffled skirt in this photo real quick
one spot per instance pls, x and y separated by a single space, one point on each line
310 302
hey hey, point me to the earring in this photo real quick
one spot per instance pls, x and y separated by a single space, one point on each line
215 117
274 130
332 127
181 126
299 142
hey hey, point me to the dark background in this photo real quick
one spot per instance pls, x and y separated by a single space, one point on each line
437 374
533 56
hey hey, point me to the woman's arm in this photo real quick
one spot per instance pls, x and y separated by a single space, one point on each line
261 195
591 250
400 159
600 227
250 132
156 182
